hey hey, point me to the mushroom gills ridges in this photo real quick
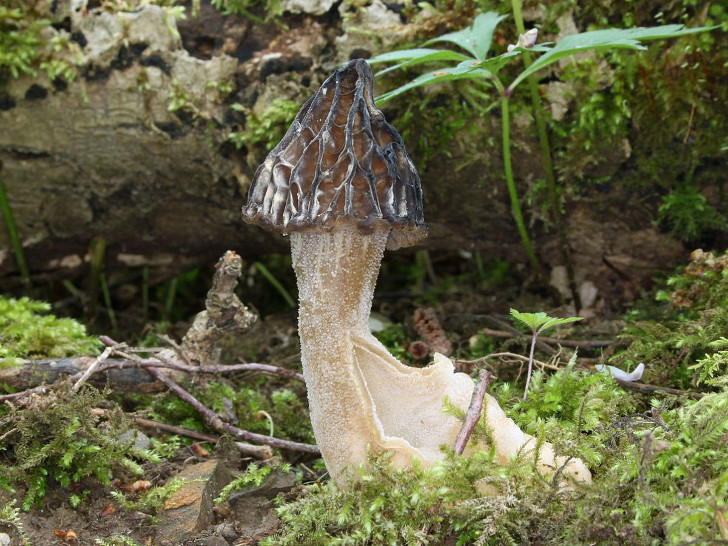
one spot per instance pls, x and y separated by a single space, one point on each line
360 396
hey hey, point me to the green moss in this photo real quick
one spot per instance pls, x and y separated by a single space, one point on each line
266 129
28 331
685 329
256 408
573 407
58 439
659 478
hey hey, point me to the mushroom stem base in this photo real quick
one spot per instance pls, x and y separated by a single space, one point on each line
362 398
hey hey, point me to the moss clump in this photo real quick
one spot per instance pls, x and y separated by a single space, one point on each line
28 331
692 319
267 129
574 407
61 437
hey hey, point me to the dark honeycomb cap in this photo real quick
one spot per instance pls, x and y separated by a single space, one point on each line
340 162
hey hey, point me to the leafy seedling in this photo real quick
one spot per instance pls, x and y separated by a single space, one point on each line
538 323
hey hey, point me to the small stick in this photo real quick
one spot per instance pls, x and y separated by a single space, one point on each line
219 425
644 387
210 416
92 368
515 356
474 410
259 452
177 349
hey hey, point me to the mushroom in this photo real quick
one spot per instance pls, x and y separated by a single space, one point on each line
341 184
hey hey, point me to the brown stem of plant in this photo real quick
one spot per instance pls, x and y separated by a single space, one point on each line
474 410
210 417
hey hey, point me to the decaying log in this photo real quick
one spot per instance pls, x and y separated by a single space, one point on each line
32 373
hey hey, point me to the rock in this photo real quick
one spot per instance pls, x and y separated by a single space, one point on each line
190 508
141 440
253 506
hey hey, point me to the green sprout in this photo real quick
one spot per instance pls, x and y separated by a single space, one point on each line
538 323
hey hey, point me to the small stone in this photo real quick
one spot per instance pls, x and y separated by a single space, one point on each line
141 440
253 506
190 508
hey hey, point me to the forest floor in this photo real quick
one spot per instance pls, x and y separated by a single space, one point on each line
169 497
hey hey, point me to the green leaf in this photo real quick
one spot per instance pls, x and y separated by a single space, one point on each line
539 322
598 40
475 39
464 70
413 57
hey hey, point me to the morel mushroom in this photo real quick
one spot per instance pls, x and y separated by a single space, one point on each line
342 185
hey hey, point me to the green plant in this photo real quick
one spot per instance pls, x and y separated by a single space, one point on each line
10 513
26 45
118 540
13 235
28 331
713 364
681 340
268 128
573 406
475 66
537 323
58 438
686 211
272 8
152 501
253 475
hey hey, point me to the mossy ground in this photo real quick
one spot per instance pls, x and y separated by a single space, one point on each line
658 460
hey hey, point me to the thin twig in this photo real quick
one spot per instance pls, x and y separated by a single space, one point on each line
210 417
92 368
124 363
219 425
259 452
177 349
27 392
655 388
474 410
506 355
161 362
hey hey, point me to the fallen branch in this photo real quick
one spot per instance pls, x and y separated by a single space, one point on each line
474 410
123 375
210 417
259 452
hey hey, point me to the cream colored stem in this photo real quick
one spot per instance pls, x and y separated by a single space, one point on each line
360 396
336 273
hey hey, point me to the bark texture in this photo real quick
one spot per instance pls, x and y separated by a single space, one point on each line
135 150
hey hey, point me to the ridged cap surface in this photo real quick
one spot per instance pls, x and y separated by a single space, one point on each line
340 162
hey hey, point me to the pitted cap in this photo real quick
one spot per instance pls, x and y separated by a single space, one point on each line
340 162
